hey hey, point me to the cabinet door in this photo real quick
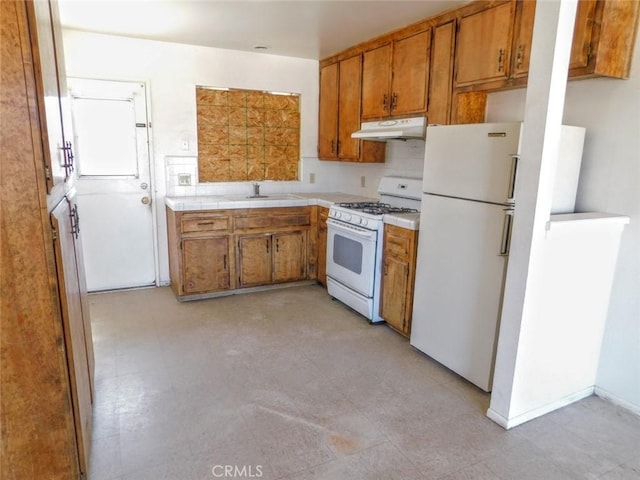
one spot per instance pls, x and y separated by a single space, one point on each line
376 78
394 292
205 264
53 101
483 51
410 74
328 116
582 33
65 223
254 259
525 13
441 73
349 107
322 246
289 256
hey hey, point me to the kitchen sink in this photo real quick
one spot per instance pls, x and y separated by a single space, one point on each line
274 196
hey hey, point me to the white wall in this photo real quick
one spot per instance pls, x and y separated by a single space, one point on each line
609 182
173 71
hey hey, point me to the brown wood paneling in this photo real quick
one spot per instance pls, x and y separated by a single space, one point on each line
441 73
206 264
323 214
376 81
289 256
73 328
328 113
197 222
470 107
483 45
349 107
254 260
235 127
399 260
410 74
38 438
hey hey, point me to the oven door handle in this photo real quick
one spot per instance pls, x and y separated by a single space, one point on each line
352 229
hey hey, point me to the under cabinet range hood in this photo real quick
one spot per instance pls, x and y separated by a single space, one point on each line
404 129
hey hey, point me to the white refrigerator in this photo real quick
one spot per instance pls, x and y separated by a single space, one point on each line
465 229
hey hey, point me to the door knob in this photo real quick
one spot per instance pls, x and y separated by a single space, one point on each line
144 185
145 200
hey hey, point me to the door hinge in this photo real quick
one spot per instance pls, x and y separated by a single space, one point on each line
54 234
47 172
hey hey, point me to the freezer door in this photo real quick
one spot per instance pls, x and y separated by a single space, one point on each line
472 161
459 282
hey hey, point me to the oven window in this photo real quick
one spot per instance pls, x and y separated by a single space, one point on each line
347 253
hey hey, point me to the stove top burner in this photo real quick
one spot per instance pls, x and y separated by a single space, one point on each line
376 208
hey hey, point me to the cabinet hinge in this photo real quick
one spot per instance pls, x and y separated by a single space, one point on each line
180 244
589 52
54 234
47 172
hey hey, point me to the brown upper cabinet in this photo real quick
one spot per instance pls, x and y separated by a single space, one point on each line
395 77
483 49
339 114
480 47
603 37
441 73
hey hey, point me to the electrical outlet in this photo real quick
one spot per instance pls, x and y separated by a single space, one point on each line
363 181
312 178
184 179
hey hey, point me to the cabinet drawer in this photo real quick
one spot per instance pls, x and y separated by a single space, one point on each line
192 223
397 246
273 220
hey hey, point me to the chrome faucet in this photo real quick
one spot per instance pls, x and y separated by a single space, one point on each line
256 189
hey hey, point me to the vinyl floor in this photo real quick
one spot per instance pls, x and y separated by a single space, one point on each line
288 384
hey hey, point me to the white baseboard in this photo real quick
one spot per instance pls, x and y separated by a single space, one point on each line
508 423
607 395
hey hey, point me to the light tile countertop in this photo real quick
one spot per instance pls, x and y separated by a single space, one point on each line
409 221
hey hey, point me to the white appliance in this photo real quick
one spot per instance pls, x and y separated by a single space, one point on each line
381 131
354 243
465 229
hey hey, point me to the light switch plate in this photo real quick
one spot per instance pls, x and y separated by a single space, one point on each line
363 181
312 178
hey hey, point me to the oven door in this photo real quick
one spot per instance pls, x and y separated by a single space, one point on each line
351 256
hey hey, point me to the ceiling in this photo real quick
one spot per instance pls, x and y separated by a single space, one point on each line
302 28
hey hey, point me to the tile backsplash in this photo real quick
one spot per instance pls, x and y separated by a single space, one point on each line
403 158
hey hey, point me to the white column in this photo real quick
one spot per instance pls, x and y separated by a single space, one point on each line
551 47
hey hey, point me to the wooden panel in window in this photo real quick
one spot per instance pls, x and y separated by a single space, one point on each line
247 135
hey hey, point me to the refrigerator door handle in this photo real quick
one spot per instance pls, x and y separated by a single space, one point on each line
507 226
512 178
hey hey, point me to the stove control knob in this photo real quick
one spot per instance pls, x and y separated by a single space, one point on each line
359 220
347 217
337 214
364 222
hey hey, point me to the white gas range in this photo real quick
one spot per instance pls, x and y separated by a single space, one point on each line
354 243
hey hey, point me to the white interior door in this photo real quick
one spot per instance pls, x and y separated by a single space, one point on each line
114 183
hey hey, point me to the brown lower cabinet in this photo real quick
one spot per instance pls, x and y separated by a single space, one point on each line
398 276
323 214
219 250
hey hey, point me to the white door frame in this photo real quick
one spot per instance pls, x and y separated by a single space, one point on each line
152 167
